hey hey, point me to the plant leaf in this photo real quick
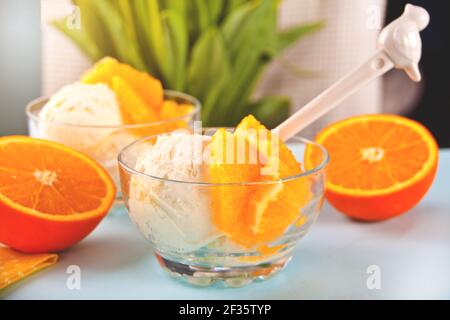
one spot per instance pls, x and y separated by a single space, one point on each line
129 24
202 14
288 37
271 111
157 41
82 40
140 16
232 5
177 41
124 46
249 53
92 25
215 9
209 70
235 20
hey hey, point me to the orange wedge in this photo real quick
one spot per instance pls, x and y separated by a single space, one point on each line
133 108
229 202
172 110
147 87
51 196
255 215
272 207
381 165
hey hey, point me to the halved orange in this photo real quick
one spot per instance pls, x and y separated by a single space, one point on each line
51 196
381 165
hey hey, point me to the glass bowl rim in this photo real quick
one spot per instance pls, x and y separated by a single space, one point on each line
170 93
302 140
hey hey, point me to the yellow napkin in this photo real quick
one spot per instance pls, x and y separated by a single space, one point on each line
15 266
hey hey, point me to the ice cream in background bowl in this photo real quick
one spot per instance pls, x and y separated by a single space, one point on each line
215 220
110 107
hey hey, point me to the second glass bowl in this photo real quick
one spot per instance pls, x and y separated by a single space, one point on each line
103 143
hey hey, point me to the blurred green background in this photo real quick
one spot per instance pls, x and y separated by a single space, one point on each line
214 50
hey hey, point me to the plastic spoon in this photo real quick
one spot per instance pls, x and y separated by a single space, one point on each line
400 46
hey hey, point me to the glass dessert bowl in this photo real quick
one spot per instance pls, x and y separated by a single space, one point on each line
104 142
204 231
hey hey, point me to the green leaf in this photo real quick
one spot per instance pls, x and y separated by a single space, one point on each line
209 71
124 46
290 36
125 8
177 41
180 8
215 9
175 5
249 46
232 5
157 41
140 16
92 25
271 111
197 19
82 40
234 21
203 16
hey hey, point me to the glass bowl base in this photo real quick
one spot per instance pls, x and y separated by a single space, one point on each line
232 277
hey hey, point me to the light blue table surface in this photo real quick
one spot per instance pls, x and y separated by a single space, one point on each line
412 252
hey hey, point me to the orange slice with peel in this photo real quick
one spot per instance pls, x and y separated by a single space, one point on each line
257 214
381 165
272 207
51 196
148 88
273 153
229 202
133 108
171 110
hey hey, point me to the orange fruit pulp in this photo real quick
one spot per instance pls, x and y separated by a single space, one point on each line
51 196
140 97
147 87
381 165
254 215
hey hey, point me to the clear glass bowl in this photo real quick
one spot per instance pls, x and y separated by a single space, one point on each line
177 218
103 143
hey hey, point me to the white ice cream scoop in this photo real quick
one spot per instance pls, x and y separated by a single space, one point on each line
400 46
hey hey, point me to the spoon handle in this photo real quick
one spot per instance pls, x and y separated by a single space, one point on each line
375 67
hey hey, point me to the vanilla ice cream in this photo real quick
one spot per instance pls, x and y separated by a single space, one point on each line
174 215
71 112
86 117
